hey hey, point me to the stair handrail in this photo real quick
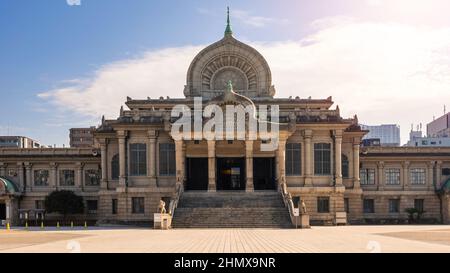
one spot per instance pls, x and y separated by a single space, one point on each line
287 199
174 202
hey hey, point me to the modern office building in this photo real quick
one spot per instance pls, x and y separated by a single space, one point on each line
82 137
18 142
389 134
439 127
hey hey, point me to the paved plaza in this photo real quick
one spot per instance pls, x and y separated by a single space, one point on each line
365 239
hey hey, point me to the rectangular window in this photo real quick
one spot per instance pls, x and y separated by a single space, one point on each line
419 204
41 178
166 159
92 206
346 205
67 178
114 206
418 176
92 177
394 205
367 176
293 159
138 159
392 176
39 204
137 205
323 204
322 158
369 206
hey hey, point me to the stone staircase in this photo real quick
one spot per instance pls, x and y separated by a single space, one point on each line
231 209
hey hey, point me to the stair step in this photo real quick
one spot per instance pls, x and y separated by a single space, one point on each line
231 209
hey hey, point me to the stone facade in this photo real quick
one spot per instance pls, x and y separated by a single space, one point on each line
318 156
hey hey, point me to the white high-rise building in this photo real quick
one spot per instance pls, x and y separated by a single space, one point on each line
389 134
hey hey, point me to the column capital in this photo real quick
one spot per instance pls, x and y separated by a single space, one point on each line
152 134
406 164
380 164
307 133
121 134
356 141
28 165
338 133
53 165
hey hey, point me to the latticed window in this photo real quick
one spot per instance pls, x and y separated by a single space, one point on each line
418 176
41 177
115 168
367 176
92 177
345 167
67 178
138 159
369 206
293 159
138 205
394 205
419 204
322 158
167 159
392 176
323 204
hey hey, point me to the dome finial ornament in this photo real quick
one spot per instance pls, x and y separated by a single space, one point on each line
228 31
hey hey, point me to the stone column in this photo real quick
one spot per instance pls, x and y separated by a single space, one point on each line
338 156
79 176
179 159
8 210
356 179
2 169
438 173
380 175
430 175
21 178
53 176
281 159
151 162
249 187
212 166
122 158
29 176
104 154
405 176
308 157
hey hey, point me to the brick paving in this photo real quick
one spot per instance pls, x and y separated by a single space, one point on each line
317 239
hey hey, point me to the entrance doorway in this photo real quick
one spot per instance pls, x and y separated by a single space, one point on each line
197 174
230 174
264 173
2 211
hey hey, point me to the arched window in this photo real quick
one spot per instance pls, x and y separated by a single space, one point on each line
345 172
115 169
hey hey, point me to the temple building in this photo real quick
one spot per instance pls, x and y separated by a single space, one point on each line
136 161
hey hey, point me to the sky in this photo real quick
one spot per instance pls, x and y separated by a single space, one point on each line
65 63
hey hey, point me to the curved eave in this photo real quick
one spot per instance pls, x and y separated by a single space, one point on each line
11 187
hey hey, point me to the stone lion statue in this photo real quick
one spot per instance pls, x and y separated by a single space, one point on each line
303 207
162 206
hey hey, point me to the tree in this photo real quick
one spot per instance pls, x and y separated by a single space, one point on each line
64 202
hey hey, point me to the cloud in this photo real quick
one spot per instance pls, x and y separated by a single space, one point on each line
384 72
245 17
255 21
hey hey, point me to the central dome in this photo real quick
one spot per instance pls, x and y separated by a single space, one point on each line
229 60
